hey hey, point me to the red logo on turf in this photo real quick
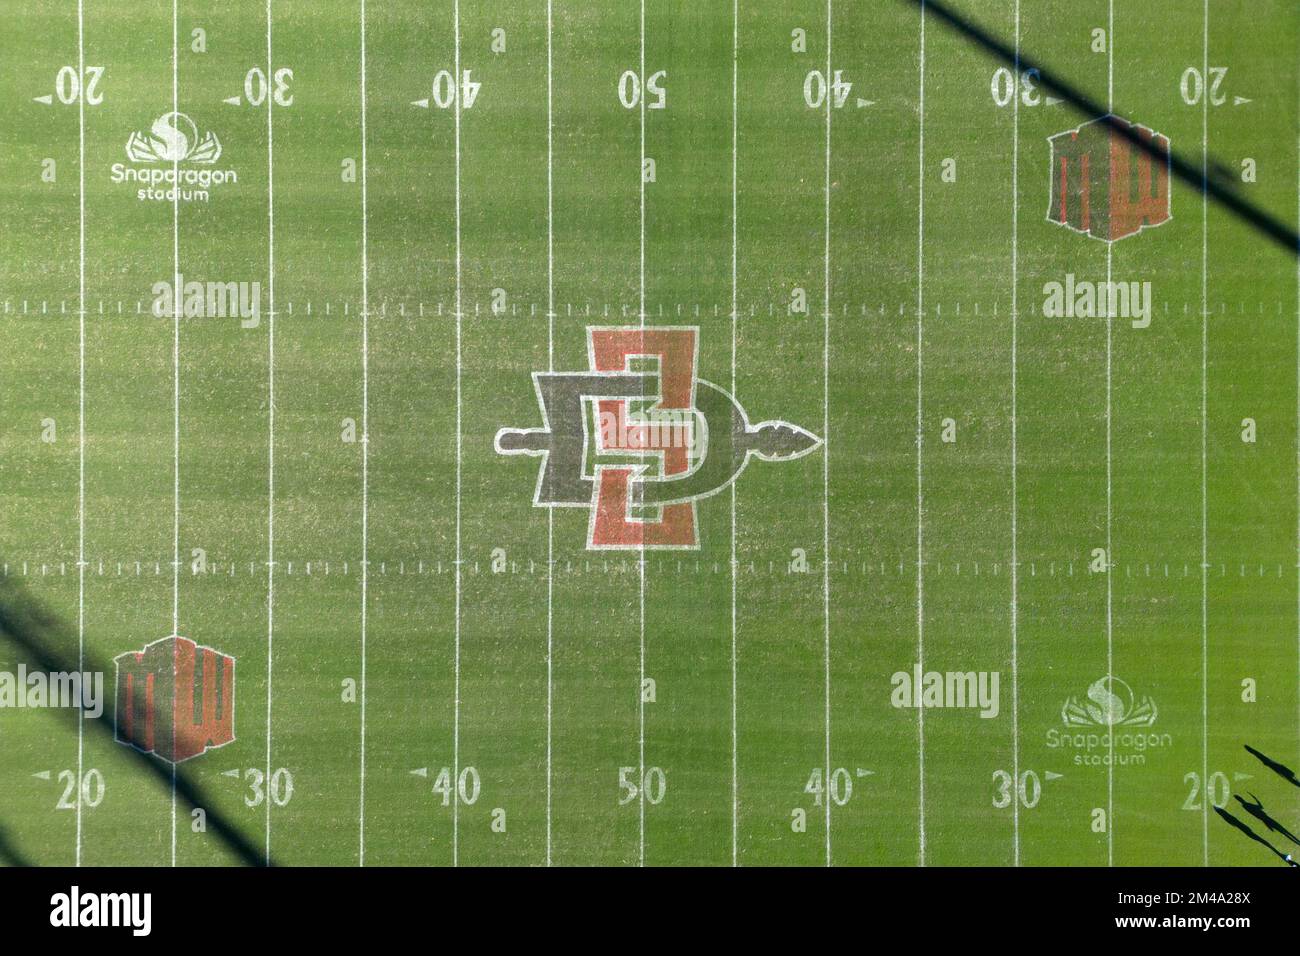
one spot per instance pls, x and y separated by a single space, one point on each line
1105 185
175 699
639 429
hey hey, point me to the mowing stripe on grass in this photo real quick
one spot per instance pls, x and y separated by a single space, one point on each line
365 439
826 431
1205 386
1015 501
176 392
550 367
81 400
920 481
1110 554
735 227
455 740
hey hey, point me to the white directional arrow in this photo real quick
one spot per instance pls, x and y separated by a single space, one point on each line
1240 101
862 102
865 773
1238 777
232 101
42 775
420 772
1052 100
230 773
1049 775
47 99
422 104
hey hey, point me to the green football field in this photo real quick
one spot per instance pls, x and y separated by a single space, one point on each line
1086 522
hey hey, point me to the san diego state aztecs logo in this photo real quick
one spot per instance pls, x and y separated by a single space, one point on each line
175 699
638 439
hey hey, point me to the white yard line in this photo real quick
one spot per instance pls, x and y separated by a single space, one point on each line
640 689
1205 361
455 745
1015 500
920 488
550 367
826 446
176 391
735 227
1110 555
365 436
81 400
270 418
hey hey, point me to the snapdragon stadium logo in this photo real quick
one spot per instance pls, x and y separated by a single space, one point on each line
173 138
175 699
1103 184
1110 703
157 156
638 438
1109 727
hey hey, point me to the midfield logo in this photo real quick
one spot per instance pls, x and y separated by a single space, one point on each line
638 439
1104 185
175 699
